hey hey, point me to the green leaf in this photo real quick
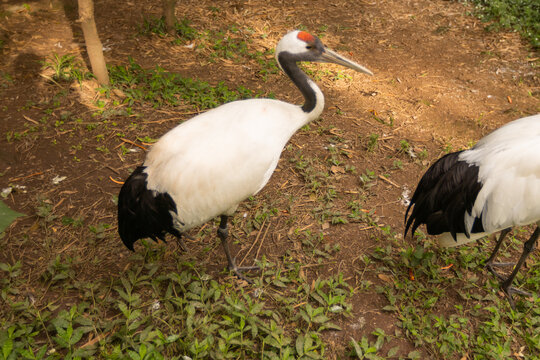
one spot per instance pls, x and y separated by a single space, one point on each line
41 352
393 351
357 348
390 308
300 345
76 336
7 347
123 308
320 319
7 216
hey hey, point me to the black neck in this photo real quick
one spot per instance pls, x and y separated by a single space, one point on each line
300 79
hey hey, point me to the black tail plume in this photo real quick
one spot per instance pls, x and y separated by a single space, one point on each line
446 191
142 212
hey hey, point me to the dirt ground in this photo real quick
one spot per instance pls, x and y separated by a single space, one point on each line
440 79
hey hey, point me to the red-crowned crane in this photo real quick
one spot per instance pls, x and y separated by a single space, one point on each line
206 166
491 187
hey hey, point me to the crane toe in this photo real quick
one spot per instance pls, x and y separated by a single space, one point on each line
238 270
491 267
509 290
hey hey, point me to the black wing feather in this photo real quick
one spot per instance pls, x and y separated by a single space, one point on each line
446 191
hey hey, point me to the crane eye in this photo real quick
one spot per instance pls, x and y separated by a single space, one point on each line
309 47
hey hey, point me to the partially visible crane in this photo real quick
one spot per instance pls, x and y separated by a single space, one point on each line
491 187
207 165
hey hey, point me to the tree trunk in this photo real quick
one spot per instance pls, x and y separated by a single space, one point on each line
168 14
93 44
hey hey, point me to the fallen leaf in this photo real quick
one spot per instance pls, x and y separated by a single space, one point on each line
337 169
7 216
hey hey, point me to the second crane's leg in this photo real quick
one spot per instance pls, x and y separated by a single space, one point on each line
178 236
506 284
489 262
223 234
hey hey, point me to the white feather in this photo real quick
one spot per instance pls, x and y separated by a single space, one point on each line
215 160
446 239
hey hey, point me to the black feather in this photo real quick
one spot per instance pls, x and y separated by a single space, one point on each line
143 213
447 190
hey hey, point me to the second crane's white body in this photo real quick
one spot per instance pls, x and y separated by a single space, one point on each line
508 161
215 160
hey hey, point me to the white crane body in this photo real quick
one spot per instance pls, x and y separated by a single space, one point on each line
210 175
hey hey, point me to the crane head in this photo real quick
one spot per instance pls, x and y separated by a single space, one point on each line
302 46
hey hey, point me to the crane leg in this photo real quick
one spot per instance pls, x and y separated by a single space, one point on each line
506 284
178 236
223 234
489 262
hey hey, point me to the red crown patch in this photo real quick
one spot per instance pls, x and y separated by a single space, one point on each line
304 36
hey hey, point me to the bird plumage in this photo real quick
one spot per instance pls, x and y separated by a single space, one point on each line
443 195
490 187
509 170
214 161
143 212
207 165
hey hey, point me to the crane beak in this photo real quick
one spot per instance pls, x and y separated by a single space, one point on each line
333 57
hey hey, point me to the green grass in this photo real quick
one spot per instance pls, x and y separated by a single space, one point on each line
519 15
183 30
155 313
229 43
159 87
66 68
483 325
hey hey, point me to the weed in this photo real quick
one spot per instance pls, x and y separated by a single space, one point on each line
5 79
74 222
420 285
58 270
99 230
405 147
227 47
183 30
103 149
448 148
520 15
380 119
45 210
153 26
66 68
158 312
372 142
397 165
147 140
364 349
422 155
367 178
